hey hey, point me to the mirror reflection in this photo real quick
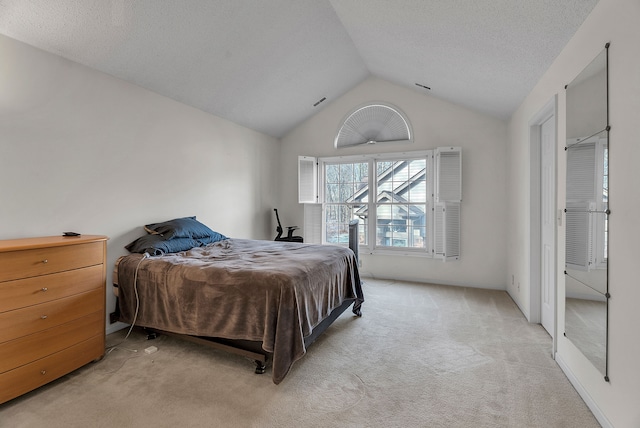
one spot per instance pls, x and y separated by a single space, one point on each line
587 212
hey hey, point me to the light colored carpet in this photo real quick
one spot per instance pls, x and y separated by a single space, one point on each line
421 356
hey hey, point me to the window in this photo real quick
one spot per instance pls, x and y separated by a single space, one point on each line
401 203
392 196
346 192
374 123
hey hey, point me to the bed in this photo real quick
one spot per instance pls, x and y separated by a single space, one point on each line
266 300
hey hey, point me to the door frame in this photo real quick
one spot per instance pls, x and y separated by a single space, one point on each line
549 110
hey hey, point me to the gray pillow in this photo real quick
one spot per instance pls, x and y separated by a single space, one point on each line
185 227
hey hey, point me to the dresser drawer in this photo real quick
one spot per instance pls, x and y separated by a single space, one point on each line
30 376
31 291
32 319
42 261
26 349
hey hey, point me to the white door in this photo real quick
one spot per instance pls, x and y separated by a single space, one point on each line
548 226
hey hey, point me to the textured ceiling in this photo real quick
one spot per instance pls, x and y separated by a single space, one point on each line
264 63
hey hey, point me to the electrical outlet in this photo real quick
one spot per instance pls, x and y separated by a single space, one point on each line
512 279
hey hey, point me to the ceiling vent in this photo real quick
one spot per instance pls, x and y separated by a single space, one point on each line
374 123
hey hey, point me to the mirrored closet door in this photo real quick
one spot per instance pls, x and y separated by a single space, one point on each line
587 212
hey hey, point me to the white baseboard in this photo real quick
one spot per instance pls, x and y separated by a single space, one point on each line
593 406
524 310
112 328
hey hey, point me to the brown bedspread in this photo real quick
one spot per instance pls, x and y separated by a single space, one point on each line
274 292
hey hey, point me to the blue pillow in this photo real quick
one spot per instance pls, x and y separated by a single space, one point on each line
156 245
186 227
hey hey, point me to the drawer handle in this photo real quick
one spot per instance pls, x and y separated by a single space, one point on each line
44 289
43 372
43 317
45 261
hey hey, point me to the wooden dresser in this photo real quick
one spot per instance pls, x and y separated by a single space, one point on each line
52 309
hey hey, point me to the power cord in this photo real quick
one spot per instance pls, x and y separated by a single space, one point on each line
135 315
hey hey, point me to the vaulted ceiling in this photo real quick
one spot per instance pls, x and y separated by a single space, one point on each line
264 64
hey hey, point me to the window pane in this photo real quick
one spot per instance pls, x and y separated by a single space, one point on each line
399 213
332 223
383 228
346 191
400 173
417 185
417 191
363 231
360 212
400 225
346 172
382 167
337 220
384 181
391 226
416 226
332 174
361 182
331 215
417 166
400 221
332 193
362 173
347 182
383 213
385 190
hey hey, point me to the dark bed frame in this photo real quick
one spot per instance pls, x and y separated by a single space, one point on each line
249 348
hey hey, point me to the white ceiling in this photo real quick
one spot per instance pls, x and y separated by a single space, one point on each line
264 63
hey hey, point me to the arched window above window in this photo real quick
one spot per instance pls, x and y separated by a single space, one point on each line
374 123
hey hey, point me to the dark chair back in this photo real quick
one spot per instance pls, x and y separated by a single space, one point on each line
353 236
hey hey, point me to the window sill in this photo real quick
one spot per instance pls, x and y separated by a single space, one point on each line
399 252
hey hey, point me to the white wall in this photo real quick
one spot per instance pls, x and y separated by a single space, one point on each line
435 123
615 21
82 151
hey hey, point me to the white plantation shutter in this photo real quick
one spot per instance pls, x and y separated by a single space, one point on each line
581 165
579 235
584 201
307 180
448 180
312 232
447 230
448 195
